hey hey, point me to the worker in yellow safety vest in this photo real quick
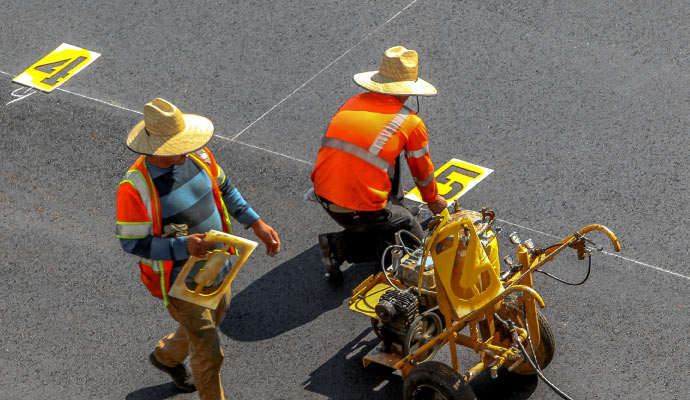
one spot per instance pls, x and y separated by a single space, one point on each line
357 172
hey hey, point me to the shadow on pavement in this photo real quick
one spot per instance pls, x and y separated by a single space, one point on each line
158 392
291 295
506 386
343 376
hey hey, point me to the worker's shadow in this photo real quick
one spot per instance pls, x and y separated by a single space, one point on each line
158 392
290 295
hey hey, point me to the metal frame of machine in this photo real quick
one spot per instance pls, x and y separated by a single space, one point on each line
429 295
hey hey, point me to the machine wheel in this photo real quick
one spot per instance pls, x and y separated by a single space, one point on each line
434 380
421 331
545 349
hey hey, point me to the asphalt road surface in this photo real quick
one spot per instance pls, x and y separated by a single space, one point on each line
580 108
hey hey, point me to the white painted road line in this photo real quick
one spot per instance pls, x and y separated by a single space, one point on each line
141 113
101 101
234 139
604 252
323 69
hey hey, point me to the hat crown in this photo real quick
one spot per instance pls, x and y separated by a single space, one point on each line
399 64
162 118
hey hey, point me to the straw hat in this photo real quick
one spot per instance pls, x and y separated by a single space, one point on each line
165 131
397 75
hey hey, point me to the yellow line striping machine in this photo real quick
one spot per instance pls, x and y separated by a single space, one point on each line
202 290
433 290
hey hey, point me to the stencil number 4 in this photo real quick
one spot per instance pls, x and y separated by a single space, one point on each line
59 70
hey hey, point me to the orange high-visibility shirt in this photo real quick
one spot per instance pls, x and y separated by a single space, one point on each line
360 148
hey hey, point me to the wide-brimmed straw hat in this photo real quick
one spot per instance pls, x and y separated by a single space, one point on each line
397 75
165 131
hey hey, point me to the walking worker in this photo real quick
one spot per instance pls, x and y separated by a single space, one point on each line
357 173
173 193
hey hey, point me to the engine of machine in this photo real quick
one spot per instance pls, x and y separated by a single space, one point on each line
396 310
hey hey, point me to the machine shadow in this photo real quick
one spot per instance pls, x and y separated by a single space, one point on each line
343 377
506 386
290 295
158 392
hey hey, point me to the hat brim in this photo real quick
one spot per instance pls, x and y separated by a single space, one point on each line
376 83
198 132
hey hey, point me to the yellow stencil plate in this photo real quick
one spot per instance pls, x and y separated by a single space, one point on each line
453 179
56 68
366 304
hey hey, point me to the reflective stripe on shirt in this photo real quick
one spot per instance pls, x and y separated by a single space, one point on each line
388 131
371 155
358 152
423 183
417 153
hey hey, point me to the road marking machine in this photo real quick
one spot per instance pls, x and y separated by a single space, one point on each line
449 289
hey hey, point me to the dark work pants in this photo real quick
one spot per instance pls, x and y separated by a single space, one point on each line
368 233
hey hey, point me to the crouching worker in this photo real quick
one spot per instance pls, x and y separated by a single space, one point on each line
357 172
172 194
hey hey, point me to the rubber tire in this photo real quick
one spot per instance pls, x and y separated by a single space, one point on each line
431 377
546 349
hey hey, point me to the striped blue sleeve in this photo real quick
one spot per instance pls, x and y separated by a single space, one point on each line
236 205
157 248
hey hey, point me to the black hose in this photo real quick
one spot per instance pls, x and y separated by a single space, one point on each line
511 325
383 265
402 242
589 269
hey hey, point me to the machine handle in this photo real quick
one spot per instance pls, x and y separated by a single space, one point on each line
598 227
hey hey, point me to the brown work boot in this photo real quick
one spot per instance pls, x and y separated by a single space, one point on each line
180 375
330 256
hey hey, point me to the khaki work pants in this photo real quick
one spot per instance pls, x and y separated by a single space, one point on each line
196 336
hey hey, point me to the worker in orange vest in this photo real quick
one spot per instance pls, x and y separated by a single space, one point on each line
357 173
170 197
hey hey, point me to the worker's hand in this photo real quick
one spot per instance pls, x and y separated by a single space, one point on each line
438 205
267 235
197 246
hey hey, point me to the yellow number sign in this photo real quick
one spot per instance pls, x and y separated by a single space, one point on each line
453 179
56 68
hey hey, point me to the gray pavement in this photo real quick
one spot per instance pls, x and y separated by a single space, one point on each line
579 108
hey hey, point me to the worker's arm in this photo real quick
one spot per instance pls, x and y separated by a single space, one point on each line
236 205
422 168
245 214
268 236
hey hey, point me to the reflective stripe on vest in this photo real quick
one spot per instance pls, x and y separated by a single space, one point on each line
371 155
207 161
137 230
156 265
204 161
133 230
